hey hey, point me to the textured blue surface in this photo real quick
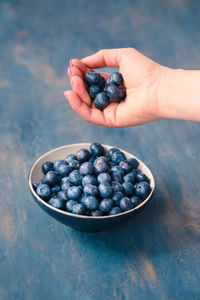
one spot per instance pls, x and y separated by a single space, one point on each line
156 255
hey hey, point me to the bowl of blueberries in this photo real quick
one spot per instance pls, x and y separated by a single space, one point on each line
90 186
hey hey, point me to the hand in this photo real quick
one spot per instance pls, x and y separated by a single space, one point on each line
141 80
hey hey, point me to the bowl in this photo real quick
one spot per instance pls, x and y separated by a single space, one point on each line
80 222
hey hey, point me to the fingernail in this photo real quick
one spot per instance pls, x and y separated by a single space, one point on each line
71 81
69 71
66 94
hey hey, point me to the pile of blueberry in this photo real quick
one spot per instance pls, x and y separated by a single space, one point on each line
103 93
93 183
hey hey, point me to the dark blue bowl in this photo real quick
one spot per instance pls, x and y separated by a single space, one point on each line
82 223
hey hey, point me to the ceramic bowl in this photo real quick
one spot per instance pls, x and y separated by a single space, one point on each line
80 222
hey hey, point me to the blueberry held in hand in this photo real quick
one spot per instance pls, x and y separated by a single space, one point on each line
116 78
94 90
101 101
113 92
103 93
92 78
93 182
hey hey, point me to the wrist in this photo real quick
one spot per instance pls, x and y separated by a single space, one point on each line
179 94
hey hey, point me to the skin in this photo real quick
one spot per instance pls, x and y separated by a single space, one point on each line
153 91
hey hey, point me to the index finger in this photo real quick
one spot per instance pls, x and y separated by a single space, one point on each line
103 58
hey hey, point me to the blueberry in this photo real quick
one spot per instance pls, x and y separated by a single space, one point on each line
57 203
50 178
47 166
105 190
141 177
75 177
125 165
55 189
44 191
86 168
81 187
142 189
63 170
37 183
106 205
82 198
101 101
111 151
135 172
115 210
117 196
113 92
125 204
134 163
70 204
105 87
65 186
116 78
92 77
112 164
122 94
59 162
135 201
117 177
128 188
130 177
104 177
96 213
89 179
83 155
116 186
94 90
101 168
90 189
101 159
63 195
102 82
79 209
64 179
97 149
70 157
90 202
118 156
118 170
92 159
74 164
74 192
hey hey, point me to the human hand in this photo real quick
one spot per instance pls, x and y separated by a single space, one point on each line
141 79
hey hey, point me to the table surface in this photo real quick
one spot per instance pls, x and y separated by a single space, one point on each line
155 255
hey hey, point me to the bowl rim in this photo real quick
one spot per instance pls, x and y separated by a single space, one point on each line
84 216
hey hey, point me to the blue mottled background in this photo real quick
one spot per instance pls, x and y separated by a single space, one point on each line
156 255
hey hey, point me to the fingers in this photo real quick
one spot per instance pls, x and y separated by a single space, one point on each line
74 71
105 75
82 109
80 66
79 88
110 117
80 69
104 58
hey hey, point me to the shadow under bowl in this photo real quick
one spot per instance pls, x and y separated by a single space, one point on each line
80 222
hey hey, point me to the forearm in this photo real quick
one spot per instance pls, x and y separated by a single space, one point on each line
179 94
